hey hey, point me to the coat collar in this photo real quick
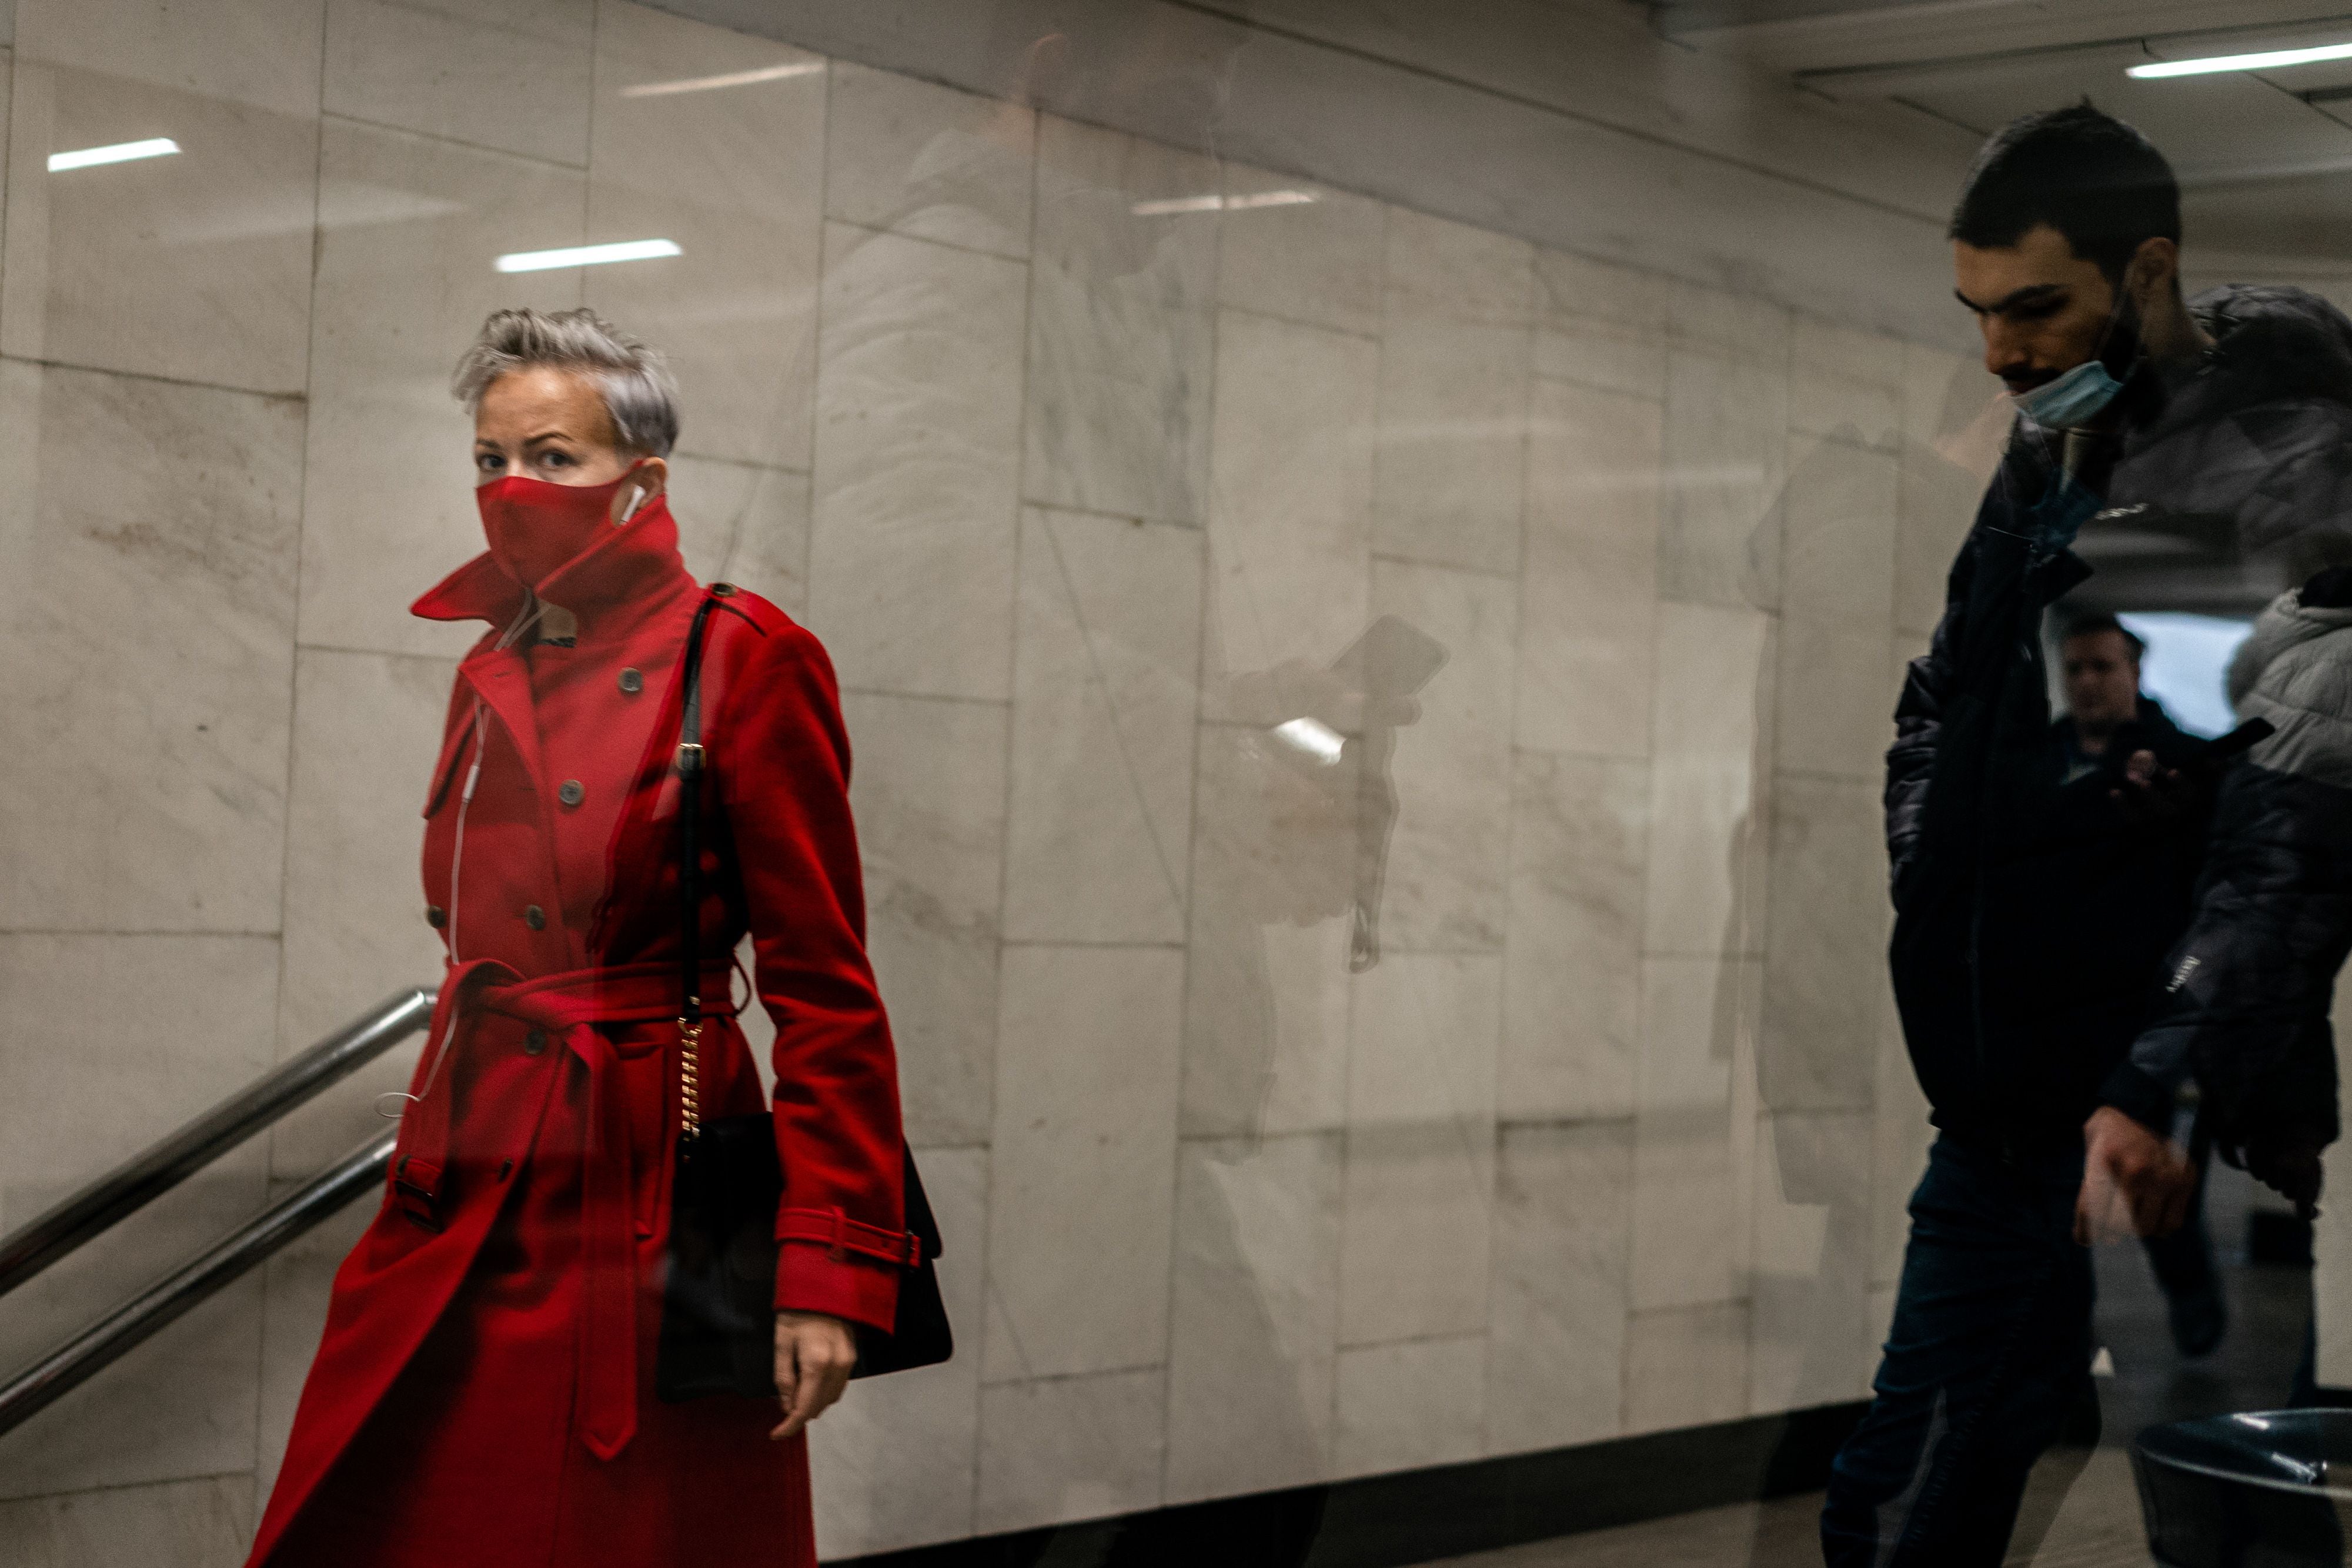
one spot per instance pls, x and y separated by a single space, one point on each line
632 565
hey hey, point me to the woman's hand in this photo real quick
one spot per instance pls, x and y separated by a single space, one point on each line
815 1354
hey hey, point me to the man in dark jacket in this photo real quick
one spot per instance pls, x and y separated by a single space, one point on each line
2034 919
2107 724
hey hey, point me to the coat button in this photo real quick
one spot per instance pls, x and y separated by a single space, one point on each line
535 917
633 681
571 793
534 1043
723 590
435 916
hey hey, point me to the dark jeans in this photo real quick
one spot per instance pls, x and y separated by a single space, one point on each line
1988 1362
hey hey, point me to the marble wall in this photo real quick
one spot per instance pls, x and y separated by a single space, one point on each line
1524 1076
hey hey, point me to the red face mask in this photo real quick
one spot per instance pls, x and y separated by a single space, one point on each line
534 527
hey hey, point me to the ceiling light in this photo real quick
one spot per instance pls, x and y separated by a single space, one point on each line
120 152
587 254
732 79
2269 60
1169 205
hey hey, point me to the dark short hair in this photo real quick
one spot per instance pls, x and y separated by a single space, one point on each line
2084 173
2092 625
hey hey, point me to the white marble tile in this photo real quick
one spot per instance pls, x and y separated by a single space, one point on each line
261 53
1835 706
1448 857
408 230
1563 1240
1273 879
1711 733
1319 262
927 788
1809 1327
1084 1172
195 267
1686 1366
895 1463
1838 533
929 161
1070 1447
162 1029
1845 384
743 524
1121 327
1726 444
1588 594
1571 966
206 1522
911 558
508 74
1456 341
367 728
1694 1131
1108 644
735 176
294 1287
1255 1315
1727 325
1601 326
1954 424
148 617
1825 960
1407 1406
1419 1171
1290 516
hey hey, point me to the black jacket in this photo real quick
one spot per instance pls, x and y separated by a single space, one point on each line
2032 921
2032 915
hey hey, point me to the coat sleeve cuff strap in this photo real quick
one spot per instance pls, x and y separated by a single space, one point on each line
841 1235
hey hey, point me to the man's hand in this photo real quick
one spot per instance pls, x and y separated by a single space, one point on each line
815 1354
2152 794
2134 1183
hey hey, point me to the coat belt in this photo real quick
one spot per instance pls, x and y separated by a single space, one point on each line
569 1005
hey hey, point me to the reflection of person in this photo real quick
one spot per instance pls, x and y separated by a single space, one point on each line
2031 918
2109 728
483 1394
2248 988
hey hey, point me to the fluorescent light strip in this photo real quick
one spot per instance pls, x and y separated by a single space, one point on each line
120 152
1173 204
732 79
587 254
2270 60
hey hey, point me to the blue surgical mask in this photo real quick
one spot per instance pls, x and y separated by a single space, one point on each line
2073 399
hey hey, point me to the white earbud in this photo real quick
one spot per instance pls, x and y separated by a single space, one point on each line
637 499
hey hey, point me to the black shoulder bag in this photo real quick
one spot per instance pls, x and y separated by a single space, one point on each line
718 1312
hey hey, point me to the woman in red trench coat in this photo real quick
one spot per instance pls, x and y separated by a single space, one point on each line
484 1392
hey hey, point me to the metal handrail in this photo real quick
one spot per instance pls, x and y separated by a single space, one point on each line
36 1387
32 1246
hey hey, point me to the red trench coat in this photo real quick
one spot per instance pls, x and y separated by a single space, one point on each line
484 1392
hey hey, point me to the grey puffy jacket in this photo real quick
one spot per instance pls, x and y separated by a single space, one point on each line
2250 985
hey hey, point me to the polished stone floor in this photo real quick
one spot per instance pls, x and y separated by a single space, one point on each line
2083 1513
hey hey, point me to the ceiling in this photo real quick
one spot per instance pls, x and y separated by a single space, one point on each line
2265 158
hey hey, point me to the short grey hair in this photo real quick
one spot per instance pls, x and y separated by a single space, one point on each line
640 393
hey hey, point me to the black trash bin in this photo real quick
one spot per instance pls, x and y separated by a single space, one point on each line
2269 1488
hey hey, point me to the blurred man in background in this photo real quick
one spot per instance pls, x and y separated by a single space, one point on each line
2110 726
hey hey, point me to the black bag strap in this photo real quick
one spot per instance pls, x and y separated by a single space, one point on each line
691 759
